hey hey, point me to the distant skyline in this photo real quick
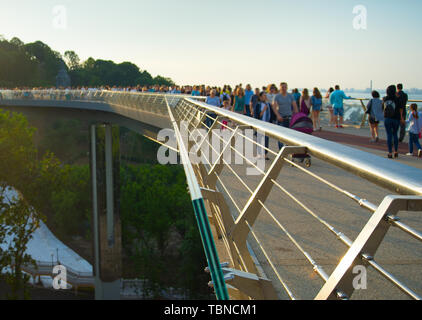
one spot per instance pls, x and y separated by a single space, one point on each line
307 44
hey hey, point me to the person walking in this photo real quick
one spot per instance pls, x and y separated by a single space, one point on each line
225 106
316 101
415 129
284 105
196 92
376 115
225 93
336 100
330 107
271 92
239 105
264 108
212 100
403 99
232 96
305 102
393 115
248 97
254 104
296 94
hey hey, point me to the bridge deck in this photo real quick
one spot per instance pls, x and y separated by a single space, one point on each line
399 254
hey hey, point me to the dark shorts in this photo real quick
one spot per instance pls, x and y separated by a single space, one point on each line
373 121
339 112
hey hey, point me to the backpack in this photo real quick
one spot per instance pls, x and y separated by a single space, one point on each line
419 124
389 109
304 108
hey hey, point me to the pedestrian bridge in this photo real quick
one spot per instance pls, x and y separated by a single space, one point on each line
349 227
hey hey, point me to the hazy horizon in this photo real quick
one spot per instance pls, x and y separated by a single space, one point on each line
307 44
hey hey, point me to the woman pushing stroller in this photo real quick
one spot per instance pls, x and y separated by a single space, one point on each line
289 116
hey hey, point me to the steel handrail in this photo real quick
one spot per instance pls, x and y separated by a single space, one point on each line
392 175
201 217
188 113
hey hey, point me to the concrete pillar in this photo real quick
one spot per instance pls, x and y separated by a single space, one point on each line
105 178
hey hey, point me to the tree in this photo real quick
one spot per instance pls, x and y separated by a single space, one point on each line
89 64
36 64
145 79
159 228
71 202
17 68
129 73
72 60
17 42
65 138
162 81
17 152
49 61
18 221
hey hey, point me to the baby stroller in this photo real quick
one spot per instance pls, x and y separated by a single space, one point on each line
302 123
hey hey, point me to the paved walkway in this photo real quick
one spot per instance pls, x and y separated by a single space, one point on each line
400 254
360 138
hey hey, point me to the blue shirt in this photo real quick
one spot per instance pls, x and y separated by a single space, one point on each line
196 93
248 96
337 97
213 101
415 125
267 114
316 102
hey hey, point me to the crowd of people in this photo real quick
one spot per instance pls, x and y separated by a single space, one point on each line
270 103
274 105
392 109
278 105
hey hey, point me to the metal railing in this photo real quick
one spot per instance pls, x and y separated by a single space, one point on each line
201 215
235 203
236 226
154 103
355 111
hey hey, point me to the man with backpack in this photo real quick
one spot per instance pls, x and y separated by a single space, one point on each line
393 116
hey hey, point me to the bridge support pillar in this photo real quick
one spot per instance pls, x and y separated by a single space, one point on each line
105 179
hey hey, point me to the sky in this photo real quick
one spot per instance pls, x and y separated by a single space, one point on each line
306 43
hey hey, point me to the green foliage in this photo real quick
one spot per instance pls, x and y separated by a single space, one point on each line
72 60
99 72
62 192
36 64
17 152
66 138
32 64
163 81
18 221
49 61
136 148
71 202
159 229
160 235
